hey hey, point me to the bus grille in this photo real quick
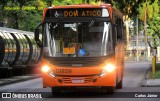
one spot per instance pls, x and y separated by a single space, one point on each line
78 80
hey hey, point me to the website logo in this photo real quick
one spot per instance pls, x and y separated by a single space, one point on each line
6 95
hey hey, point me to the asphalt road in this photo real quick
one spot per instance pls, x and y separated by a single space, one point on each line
133 77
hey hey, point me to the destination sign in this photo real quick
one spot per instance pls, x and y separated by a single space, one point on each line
87 12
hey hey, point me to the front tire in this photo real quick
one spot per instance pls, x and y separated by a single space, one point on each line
119 85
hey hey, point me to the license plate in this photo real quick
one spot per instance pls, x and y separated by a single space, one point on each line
77 81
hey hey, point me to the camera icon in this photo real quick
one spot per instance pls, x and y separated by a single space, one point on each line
6 95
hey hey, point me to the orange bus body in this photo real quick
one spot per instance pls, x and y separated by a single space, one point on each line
89 75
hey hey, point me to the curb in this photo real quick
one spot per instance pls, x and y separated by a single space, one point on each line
152 85
144 82
8 82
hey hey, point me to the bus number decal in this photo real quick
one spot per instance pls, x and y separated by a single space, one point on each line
63 71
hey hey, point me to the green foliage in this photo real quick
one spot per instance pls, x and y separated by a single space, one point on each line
157 73
141 11
28 19
70 2
154 29
153 19
127 7
18 18
152 9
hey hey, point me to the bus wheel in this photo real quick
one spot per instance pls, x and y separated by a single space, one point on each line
55 91
119 85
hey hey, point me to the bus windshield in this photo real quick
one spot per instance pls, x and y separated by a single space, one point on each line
77 39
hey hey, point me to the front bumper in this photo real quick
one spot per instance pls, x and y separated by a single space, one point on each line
81 81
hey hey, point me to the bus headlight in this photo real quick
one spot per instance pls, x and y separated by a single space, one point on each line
46 69
107 69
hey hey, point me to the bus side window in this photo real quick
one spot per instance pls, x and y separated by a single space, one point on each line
115 32
119 29
119 34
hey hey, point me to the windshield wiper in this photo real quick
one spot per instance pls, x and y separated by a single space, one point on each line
91 23
55 25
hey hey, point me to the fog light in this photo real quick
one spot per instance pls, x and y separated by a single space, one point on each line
60 81
45 68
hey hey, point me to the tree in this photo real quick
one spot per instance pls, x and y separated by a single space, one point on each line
3 3
149 12
154 31
128 8
19 14
47 2
69 2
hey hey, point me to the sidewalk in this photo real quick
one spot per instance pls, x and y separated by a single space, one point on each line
150 82
16 79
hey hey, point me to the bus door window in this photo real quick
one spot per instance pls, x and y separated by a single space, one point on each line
115 36
115 30
120 30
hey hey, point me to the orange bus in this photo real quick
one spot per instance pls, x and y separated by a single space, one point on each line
82 47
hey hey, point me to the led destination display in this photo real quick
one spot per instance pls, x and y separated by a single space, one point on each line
81 12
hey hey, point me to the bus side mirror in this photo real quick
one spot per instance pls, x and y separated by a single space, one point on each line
36 35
